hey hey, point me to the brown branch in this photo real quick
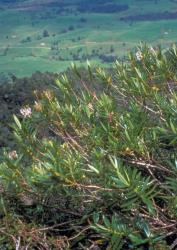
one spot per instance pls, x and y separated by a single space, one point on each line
77 235
149 165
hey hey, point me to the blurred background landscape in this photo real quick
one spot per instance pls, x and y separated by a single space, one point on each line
47 35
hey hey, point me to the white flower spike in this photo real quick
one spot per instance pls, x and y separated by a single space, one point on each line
26 112
13 155
139 55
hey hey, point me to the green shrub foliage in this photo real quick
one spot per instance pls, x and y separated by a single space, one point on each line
95 163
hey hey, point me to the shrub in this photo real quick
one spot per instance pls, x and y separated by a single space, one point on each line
71 28
96 164
46 33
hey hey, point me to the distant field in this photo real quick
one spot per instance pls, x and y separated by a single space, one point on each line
46 35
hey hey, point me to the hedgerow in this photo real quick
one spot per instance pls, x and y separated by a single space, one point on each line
95 162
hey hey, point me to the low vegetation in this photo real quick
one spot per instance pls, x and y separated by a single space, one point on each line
94 163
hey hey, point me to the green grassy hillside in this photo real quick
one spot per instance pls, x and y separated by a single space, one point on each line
48 35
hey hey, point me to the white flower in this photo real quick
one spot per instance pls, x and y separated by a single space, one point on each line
90 107
152 50
139 55
13 155
26 112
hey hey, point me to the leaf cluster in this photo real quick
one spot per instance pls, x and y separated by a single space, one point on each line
101 152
